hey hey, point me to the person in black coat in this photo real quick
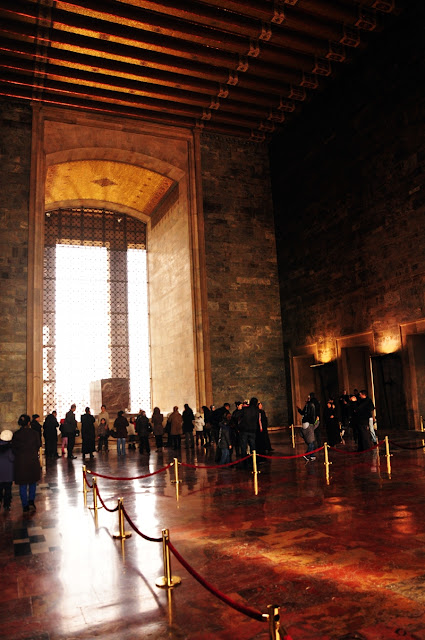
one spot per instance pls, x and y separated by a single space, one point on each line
143 429
216 417
188 418
7 460
25 446
35 424
50 432
308 418
248 426
363 408
88 433
331 423
68 429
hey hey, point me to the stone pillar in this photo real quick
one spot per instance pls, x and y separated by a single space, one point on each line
15 127
242 278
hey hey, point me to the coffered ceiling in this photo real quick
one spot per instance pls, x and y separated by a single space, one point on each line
239 67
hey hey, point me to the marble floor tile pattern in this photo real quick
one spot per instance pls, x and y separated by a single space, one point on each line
343 560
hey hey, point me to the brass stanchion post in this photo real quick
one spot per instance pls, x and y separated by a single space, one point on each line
422 423
95 495
274 622
176 472
167 581
84 485
326 463
121 535
254 462
255 484
388 455
293 436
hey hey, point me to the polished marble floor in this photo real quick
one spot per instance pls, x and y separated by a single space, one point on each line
343 559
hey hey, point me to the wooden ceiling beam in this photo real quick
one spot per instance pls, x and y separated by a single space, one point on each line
261 83
242 22
91 80
113 25
270 62
65 94
261 76
25 93
329 10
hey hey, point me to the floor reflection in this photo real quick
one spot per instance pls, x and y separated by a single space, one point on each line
339 558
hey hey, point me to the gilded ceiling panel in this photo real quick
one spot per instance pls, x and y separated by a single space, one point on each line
113 182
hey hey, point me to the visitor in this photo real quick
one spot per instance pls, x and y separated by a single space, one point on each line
103 435
330 419
103 414
25 446
207 425
6 469
88 434
249 425
143 428
198 423
35 424
225 439
69 430
176 422
157 422
188 419
120 428
50 432
308 420
131 432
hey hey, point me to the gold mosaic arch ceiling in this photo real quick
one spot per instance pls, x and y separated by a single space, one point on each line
114 182
240 67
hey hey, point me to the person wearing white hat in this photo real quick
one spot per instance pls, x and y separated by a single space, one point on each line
6 469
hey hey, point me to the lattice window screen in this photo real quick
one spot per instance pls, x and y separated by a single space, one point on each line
118 234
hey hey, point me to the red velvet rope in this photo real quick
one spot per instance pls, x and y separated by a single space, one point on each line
401 446
147 475
252 613
133 526
215 466
103 504
354 453
90 486
298 455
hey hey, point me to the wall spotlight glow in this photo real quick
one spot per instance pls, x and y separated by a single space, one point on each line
388 344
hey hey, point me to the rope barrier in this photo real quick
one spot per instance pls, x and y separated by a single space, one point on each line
353 453
401 446
215 466
298 455
90 486
147 475
133 526
248 611
103 504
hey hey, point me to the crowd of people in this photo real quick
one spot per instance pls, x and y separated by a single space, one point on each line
354 416
233 433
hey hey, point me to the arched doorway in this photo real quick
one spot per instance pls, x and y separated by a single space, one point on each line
80 161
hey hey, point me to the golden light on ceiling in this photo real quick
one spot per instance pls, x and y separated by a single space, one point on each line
116 183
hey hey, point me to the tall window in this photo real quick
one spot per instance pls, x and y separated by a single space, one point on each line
95 309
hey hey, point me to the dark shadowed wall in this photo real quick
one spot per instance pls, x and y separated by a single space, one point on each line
349 193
